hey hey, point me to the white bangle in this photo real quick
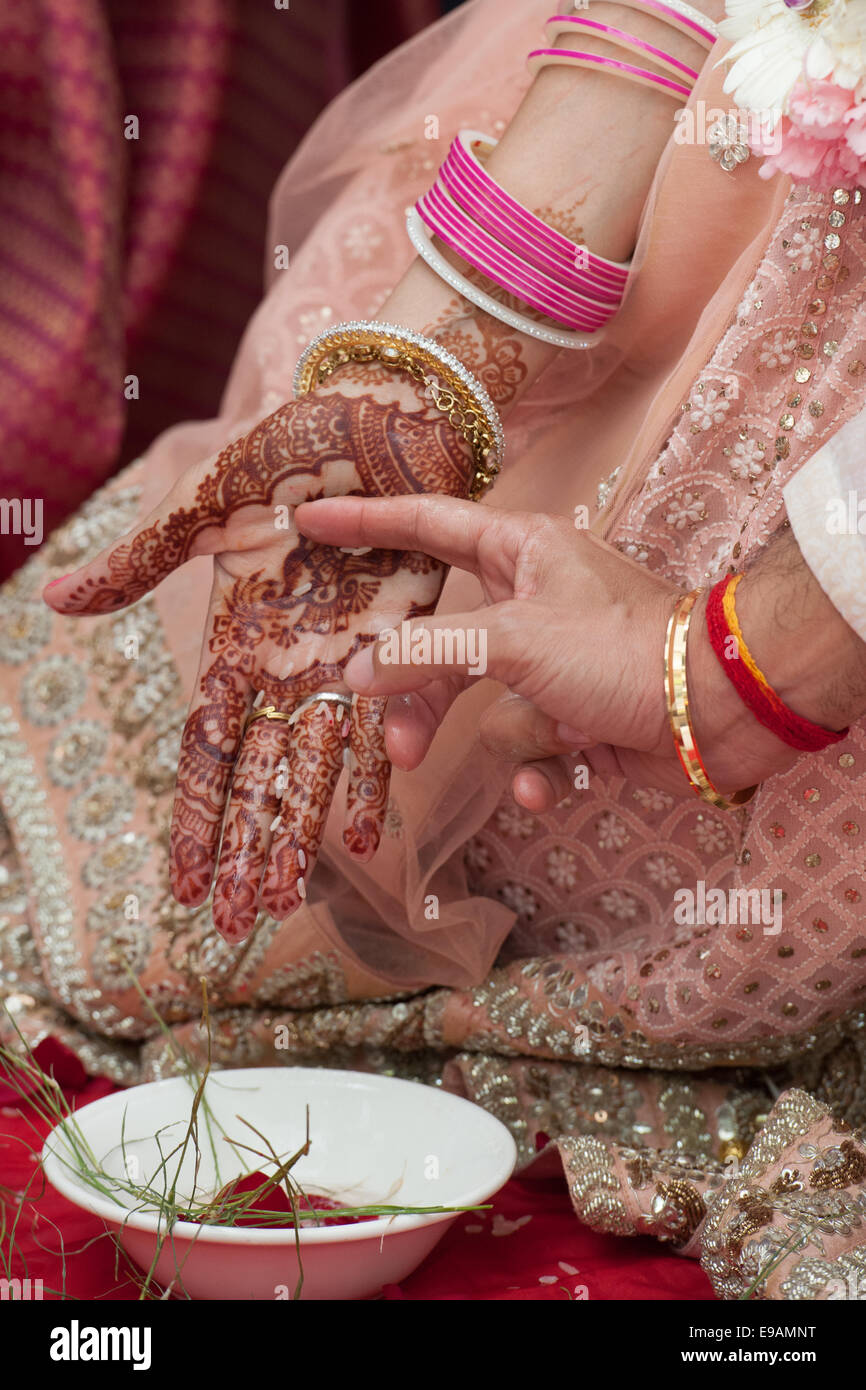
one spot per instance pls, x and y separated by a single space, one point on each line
687 12
422 240
697 16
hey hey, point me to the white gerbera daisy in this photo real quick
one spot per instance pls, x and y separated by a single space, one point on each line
744 17
777 44
767 56
838 53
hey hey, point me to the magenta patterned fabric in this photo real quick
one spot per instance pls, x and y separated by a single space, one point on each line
138 148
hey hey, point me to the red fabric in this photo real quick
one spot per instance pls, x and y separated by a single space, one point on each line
530 1246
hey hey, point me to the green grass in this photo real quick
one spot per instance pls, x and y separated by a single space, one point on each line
161 1194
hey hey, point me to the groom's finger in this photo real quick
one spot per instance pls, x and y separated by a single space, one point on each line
517 731
445 527
494 641
540 786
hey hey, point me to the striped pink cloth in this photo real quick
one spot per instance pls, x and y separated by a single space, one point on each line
122 256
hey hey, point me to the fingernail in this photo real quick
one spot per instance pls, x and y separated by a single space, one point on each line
59 580
360 845
235 930
566 734
360 671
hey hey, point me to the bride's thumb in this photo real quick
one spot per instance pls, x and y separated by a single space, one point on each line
133 565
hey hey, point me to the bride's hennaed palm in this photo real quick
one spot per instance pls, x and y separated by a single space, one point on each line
285 616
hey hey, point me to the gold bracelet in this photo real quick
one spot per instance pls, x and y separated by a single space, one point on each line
452 388
677 699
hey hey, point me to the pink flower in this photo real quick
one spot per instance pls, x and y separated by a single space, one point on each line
823 138
855 120
819 108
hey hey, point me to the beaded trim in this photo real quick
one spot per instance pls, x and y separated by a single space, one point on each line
411 339
29 811
696 16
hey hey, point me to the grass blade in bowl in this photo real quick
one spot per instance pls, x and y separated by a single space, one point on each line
272 1182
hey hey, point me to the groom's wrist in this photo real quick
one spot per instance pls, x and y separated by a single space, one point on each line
803 647
729 737
810 656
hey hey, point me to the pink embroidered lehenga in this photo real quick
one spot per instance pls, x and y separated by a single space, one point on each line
556 986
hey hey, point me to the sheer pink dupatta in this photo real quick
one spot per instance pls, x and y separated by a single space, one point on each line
408 919
701 235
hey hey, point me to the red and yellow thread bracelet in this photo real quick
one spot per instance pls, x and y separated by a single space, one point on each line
677 700
750 682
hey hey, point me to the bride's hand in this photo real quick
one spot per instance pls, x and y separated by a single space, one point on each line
286 615
576 631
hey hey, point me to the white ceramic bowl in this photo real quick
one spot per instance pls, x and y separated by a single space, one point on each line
375 1139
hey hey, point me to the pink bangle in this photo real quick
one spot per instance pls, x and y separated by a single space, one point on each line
483 252
610 275
558 296
562 24
679 15
544 57
422 239
484 212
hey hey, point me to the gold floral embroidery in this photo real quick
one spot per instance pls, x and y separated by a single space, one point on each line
679 1209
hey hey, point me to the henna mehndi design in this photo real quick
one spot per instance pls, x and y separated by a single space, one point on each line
316 760
491 350
253 805
369 777
384 450
286 616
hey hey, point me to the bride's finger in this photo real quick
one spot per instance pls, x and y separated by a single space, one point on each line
191 518
209 746
369 777
246 840
314 763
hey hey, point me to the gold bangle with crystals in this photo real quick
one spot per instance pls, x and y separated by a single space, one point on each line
451 387
677 700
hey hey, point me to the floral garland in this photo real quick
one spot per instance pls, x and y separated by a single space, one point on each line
799 68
